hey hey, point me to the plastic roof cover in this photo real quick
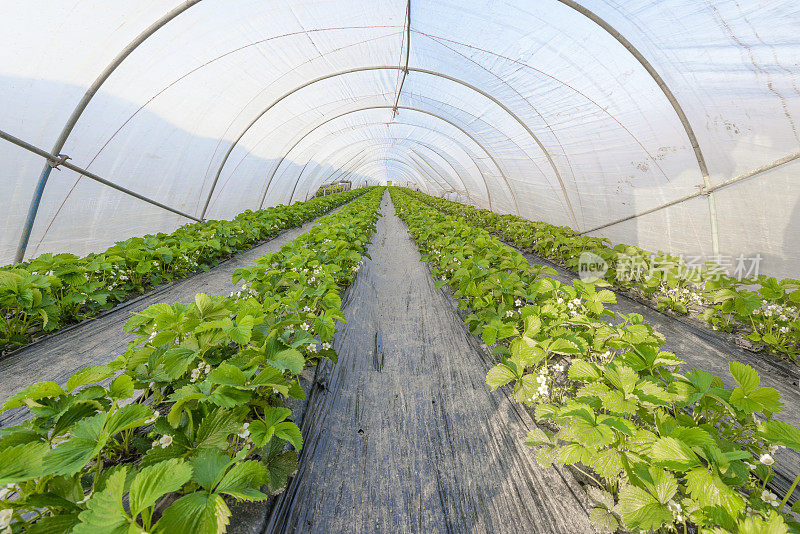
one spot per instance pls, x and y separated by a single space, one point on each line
543 108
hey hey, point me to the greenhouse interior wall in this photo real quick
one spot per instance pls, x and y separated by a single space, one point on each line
666 129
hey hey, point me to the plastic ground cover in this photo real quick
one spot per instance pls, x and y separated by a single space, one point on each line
415 442
413 433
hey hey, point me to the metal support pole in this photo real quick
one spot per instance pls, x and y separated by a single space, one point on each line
408 54
33 209
58 160
687 126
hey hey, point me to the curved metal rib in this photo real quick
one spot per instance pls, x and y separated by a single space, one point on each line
410 69
33 209
430 113
687 126
346 164
409 108
412 151
438 132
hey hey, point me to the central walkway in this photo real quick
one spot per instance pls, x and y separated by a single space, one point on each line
420 445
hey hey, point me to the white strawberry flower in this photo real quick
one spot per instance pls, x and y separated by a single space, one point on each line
509 313
517 303
245 431
766 459
155 416
769 498
304 326
312 347
165 441
326 345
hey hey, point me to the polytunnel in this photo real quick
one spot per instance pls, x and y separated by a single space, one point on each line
590 237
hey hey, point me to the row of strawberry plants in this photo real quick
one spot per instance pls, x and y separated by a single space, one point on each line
54 290
662 449
194 411
762 310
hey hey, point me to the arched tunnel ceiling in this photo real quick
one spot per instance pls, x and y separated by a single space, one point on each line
670 125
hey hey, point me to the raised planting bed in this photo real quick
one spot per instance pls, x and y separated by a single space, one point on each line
662 448
193 415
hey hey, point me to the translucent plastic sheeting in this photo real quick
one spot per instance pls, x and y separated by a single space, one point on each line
575 113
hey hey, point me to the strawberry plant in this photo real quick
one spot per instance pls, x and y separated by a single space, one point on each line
54 290
662 449
191 416
725 302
